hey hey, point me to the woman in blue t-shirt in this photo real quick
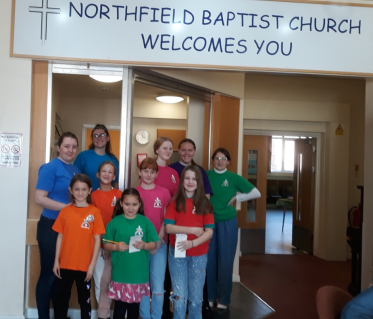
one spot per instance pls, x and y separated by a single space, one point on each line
99 151
52 193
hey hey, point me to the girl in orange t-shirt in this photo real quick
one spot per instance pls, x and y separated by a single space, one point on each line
104 199
79 227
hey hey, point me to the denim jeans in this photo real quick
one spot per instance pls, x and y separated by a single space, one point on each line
222 249
45 288
157 273
188 278
360 307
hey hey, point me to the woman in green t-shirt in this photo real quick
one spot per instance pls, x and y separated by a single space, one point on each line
222 248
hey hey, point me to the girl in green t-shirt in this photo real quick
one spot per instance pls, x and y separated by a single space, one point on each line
130 269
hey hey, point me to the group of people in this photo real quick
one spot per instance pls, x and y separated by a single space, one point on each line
128 241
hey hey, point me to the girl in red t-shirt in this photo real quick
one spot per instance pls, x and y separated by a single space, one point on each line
190 213
104 199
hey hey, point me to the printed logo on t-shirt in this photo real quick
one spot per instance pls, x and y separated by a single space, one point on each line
225 183
89 219
139 231
194 210
173 179
157 203
114 201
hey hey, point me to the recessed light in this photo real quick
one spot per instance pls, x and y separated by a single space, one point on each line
169 99
107 78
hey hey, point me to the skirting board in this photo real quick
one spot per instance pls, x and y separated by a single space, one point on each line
32 313
236 278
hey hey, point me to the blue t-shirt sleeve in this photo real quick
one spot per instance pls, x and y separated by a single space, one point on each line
46 177
80 162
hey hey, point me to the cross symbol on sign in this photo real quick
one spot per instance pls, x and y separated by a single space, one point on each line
44 10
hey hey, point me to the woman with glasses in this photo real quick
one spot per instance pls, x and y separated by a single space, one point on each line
99 151
222 248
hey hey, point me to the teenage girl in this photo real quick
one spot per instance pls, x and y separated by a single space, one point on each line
167 177
155 200
104 199
130 271
189 213
79 227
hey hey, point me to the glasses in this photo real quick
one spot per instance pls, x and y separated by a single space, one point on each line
99 135
220 158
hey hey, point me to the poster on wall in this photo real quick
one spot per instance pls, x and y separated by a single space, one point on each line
11 150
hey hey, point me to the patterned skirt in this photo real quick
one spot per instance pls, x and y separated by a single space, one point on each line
129 293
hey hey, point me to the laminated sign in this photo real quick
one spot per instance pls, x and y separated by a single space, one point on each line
11 149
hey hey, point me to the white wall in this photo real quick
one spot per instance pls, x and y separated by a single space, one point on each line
15 92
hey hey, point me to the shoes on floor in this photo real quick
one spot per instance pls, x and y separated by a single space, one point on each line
211 304
222 307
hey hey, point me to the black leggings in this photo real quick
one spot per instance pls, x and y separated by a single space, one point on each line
120 308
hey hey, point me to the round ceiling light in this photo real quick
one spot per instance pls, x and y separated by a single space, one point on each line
169 99
107 78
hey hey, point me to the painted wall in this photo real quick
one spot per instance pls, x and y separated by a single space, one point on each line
15 92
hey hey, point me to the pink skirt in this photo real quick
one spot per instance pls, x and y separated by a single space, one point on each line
129 293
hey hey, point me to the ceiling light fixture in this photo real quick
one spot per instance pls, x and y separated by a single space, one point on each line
169 99
107 78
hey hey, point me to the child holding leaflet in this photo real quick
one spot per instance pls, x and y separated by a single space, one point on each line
79 227
104 199
190 213
130 262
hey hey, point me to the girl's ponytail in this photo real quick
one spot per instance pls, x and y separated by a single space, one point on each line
118 210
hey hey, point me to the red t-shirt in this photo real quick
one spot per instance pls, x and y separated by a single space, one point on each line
189 219
105 202
168 178
78 225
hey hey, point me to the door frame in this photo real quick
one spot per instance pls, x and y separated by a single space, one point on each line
318 204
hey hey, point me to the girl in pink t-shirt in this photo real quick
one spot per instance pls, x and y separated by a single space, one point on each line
155 200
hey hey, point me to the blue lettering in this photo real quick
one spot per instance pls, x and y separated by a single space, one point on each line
86 9
104 12
126 14
323 25
266 21
230 17
355 27
220 19
118 7
173 42
164 41
303 24
331 26
195 43
291 21
215 46
259 47
165 15
149 40
242 46
206 18
142 12
276 44
339 26
173 17
252 25
242 17
186 49
192 16
154 13
282 49
275 16
80 14
228 45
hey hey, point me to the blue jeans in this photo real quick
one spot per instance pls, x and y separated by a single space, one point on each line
46 288
157 273
222 249
188 278
360 307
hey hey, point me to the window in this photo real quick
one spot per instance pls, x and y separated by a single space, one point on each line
282 159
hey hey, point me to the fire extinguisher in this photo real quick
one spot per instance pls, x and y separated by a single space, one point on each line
354 216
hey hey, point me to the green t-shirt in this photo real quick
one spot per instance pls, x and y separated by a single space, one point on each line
130 268
224 187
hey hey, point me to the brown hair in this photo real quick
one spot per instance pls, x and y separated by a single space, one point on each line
158 143
107 162
84 179
108 150
118 209
150 163
188 140
221 150
66 134
200 201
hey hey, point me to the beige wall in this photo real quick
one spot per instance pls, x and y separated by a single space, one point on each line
15 92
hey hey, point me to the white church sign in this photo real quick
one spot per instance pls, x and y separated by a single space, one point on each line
221 34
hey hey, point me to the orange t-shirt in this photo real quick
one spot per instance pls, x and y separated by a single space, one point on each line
78 225
105 202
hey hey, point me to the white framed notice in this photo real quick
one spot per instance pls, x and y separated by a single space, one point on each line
11 150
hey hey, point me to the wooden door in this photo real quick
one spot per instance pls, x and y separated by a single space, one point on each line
304 194
252 216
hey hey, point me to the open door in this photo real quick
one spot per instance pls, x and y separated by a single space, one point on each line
252 216
304 194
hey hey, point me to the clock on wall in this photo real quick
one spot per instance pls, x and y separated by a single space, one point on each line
142 137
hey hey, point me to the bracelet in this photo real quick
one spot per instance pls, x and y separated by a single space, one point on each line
192 243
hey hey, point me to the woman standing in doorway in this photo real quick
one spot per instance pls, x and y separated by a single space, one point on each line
99 151
222 248
52 193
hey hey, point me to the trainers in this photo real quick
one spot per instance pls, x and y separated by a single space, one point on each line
211 304
220 306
